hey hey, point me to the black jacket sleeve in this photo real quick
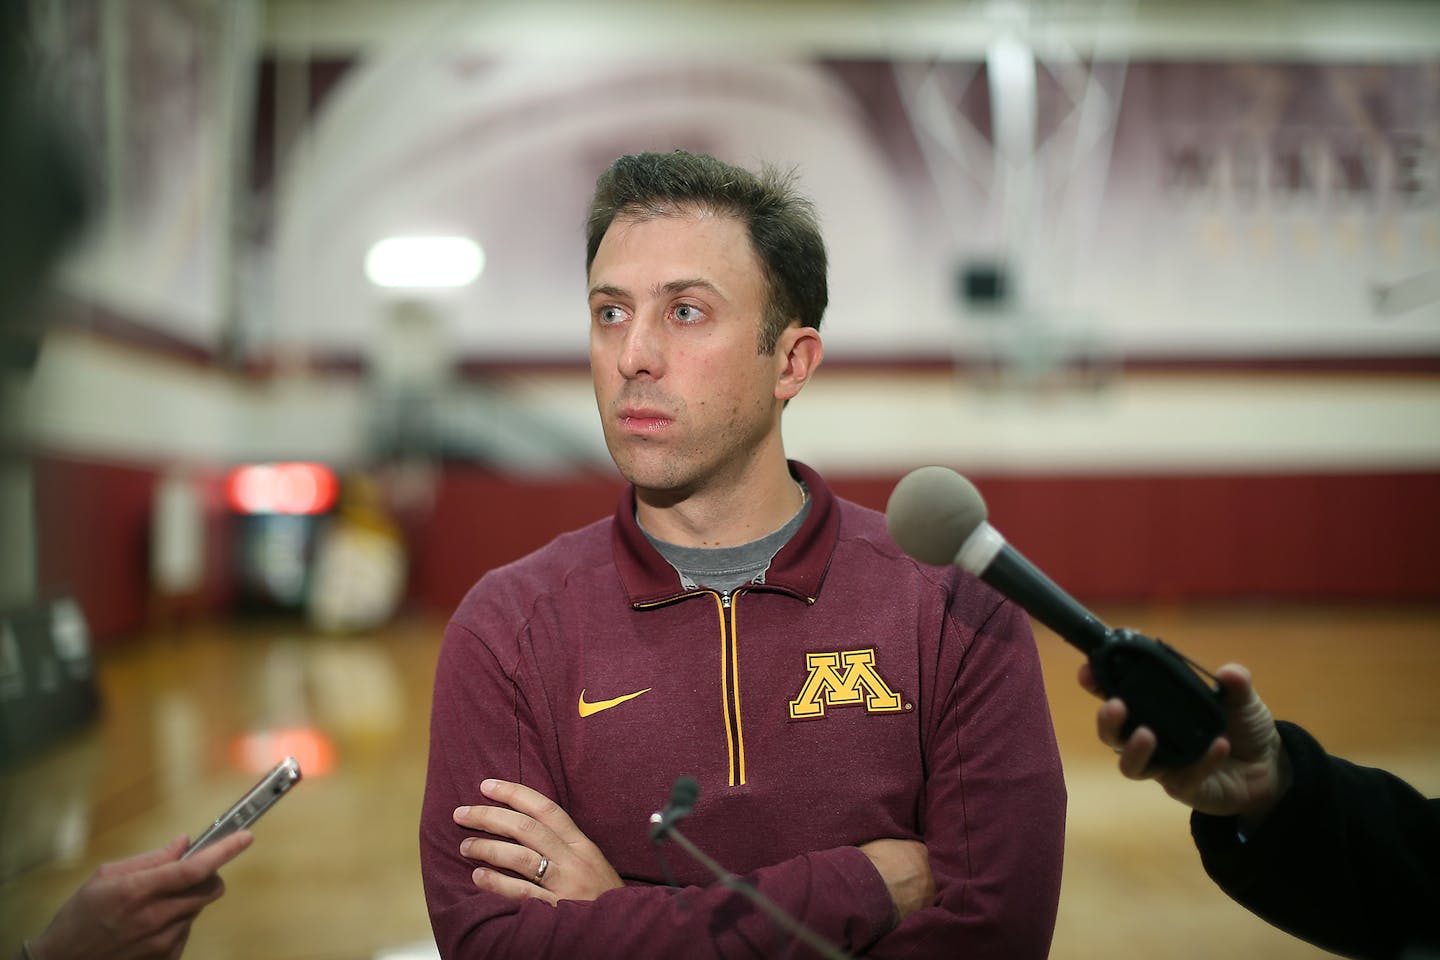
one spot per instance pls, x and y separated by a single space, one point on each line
1349 860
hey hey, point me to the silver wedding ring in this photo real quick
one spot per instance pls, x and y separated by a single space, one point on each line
540 870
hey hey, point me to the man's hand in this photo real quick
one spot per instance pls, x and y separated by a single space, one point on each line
1244 773
574 868
904 865
141 908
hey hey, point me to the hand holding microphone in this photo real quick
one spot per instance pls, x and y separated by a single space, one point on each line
938 517
1244 774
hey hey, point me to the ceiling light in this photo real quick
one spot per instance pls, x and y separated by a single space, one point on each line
414 262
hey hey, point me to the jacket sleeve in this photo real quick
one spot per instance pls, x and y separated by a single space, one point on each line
1349 860
481 726
994 811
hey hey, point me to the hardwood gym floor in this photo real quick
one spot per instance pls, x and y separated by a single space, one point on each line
334 876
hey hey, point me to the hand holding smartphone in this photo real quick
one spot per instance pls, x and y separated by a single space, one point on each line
249 807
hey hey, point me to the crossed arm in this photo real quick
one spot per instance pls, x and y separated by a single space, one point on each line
543 835
581 907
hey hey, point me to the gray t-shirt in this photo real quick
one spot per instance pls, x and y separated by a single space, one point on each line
725 568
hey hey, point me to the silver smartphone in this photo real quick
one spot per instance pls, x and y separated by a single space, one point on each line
248 808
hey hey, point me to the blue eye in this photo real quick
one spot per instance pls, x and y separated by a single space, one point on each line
686 313
609 315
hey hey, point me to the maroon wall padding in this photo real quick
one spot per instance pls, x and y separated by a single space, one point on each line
483 519
93 541
1302 537
1343 536
92 531
1305 537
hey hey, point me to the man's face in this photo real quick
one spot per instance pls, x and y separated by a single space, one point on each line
685 398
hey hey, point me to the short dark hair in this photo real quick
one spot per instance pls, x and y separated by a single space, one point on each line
783 228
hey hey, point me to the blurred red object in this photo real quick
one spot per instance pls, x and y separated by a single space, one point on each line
259 751
287 488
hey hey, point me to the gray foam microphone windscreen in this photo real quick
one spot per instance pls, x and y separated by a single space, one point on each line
932 511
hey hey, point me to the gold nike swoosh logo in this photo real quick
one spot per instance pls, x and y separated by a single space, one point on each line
588 709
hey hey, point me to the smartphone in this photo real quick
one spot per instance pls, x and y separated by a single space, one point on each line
248 808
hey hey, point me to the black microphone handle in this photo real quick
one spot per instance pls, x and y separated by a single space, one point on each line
1022 581
1160 689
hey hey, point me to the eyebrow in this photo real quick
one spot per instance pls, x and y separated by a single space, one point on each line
679 286
666 289
608 290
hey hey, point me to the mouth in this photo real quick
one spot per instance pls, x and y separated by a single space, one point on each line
639 420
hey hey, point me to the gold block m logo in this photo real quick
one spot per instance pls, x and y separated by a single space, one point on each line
842 679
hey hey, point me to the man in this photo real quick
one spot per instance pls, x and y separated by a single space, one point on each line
871 736
1343 856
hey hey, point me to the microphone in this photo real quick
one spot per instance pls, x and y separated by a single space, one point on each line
683 794
938 517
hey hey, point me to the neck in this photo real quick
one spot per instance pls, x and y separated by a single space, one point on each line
722 515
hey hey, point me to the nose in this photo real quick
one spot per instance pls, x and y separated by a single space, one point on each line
642 349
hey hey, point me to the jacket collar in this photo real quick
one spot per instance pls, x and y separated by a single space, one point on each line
799 568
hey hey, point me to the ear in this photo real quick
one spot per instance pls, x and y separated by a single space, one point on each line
798 353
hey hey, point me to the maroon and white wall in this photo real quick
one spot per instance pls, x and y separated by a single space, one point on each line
1161 487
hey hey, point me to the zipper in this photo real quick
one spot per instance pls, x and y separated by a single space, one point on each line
730 689
729 675
666 601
